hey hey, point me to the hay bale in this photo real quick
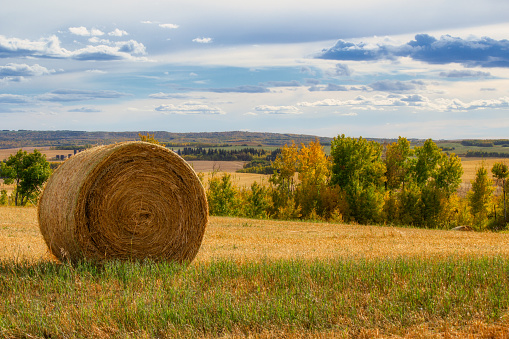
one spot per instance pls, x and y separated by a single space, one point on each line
130 200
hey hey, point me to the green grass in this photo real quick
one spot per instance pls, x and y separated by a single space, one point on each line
341 296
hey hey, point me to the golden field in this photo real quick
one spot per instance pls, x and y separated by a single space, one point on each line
254 240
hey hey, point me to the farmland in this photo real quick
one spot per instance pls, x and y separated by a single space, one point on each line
264 279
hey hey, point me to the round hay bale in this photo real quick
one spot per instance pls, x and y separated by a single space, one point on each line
131 200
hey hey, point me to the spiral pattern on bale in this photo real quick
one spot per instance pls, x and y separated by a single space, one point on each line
132 200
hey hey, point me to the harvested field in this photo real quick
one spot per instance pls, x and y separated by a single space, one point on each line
254 240
264 279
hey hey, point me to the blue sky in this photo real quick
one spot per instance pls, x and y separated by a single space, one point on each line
436 69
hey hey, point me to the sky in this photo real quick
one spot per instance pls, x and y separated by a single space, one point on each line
378 69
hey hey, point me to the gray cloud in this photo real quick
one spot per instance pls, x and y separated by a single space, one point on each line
238 89
396 86
85 110
67 95
342 70
484 52
293 83
14 99
464 74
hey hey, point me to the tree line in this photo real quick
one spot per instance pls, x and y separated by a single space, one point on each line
365 182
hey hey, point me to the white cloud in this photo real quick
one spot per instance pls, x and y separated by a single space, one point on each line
189 108
170 26
46 47
83 31
23 70
278 109
352 114
118 32
203 40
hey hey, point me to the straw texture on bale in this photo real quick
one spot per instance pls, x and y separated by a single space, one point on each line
132 200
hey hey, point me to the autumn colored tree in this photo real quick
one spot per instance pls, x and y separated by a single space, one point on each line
150 138
313 169
283 183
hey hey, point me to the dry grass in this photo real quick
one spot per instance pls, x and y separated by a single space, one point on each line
255 240
263 267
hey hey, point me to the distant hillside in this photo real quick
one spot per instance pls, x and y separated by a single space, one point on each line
25 138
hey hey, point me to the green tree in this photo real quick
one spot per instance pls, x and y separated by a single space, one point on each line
222 196
28 172
479 197
437 176
357 168
397 163
500 171
256 201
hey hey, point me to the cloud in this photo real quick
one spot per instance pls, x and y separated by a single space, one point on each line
293 83
83 31
238 89
352 114
23 70
342 70
42 48
396 86
162 95
189 108
464 74
170 26
484 52
329 88
50 48
85 109
67 95
118 32
203 40
278 109
14 99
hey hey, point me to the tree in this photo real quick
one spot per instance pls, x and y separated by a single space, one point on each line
28 172
150 138
283 183
313 169
256 201
501 172
356 160
397 157
222 196
480 195
357 169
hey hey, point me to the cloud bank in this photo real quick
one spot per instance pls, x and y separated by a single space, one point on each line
484 52
50 48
